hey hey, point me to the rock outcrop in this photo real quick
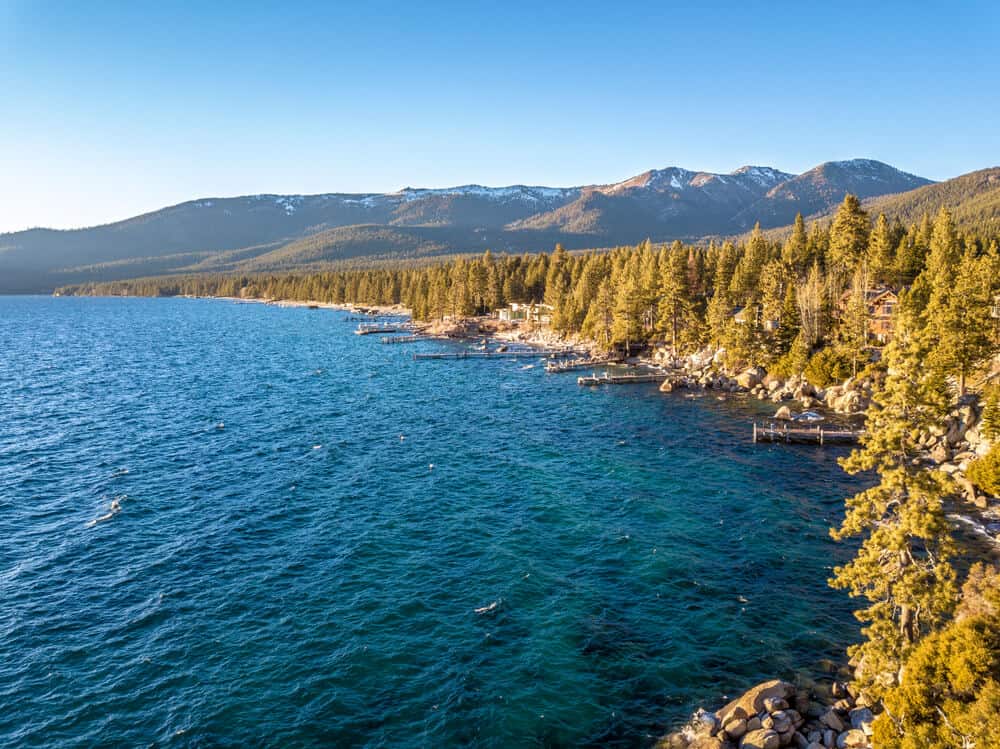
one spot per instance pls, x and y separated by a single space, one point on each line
776 714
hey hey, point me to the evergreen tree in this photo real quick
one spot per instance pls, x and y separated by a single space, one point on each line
852 332
848 235
903 564
795 252
959 327
881 254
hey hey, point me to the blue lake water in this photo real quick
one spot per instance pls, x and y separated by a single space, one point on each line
579 567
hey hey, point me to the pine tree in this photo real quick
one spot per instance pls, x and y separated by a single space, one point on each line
674 303
903 564
626 323
852 333
944 253
795 252
959 327
848 235
881 255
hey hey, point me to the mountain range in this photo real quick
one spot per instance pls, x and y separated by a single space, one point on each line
280 232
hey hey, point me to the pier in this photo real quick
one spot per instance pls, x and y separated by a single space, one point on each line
405 338
630 379
804 435
536 354
571 366
374 328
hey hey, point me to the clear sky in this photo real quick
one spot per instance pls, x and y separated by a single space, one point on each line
111 109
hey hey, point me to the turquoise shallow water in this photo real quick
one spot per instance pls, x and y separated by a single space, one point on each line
301 576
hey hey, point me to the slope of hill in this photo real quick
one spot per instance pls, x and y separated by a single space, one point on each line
285 231
973 199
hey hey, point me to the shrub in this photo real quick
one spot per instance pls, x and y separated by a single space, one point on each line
984 472
826 367
949 695
991 412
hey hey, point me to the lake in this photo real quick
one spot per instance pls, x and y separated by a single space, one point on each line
241 525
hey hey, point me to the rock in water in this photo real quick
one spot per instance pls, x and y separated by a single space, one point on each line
752 701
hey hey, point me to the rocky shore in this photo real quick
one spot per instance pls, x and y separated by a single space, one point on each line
704 371
778 714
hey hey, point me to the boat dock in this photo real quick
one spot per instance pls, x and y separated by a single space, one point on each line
405 338
536 354
571 366
804 435
374 328
630 379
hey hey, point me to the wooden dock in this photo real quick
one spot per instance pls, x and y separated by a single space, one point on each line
537 354
804 435
376 328
571 366
621 379
405 338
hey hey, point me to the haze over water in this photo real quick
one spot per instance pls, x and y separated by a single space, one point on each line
532 563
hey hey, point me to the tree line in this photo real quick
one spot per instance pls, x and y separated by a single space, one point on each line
793 306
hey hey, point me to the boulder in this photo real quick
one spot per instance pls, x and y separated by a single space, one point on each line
752 701
784 413
707 742
773 704
853 739
735 727
750 377
779 721
667 387
763 738
774 385
940 453
862 719
957 428
832 720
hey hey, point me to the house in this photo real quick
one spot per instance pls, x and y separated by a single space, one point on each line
881 302
518 312
881 305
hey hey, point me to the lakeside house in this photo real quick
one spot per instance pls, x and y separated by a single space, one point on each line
531 312
881 302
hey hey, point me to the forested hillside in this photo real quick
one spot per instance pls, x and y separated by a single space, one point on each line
801 302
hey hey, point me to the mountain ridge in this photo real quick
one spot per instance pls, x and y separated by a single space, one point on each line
662 204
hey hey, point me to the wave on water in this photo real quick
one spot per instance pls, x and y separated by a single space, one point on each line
114 507
490 608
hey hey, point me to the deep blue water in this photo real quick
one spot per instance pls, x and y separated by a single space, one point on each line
301 576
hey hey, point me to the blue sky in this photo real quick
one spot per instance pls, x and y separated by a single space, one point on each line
112 109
